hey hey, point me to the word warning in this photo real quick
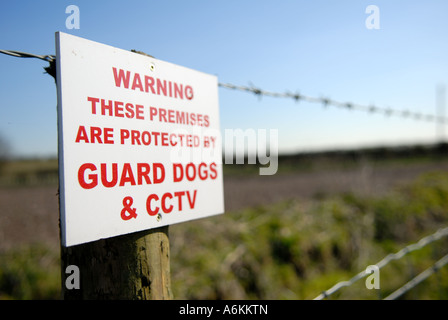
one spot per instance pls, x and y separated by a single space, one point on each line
139 142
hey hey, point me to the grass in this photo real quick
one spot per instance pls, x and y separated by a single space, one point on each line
289 250
295 250
30 272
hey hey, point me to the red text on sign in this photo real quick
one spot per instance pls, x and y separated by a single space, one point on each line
95 135
178 117
167 202
191 171
145 83
136 137
89 177
116 108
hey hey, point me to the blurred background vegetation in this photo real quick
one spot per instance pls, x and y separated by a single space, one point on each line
293 248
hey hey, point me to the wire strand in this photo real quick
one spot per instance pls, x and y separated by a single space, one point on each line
418 279
295 96
329 102
386 260
20 54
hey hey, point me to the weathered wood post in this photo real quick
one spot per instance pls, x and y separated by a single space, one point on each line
134 266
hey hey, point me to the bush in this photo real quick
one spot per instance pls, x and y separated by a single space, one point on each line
30 273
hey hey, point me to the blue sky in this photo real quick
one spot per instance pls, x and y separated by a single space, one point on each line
315 48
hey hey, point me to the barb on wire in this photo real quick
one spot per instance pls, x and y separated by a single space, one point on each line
51 69
390 257
347 105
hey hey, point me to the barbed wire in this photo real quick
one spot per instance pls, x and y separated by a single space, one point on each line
390 257
20 54
50 69
295 96
330 102
418 279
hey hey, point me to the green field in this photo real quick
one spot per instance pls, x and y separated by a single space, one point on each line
26 172
289 249
296 249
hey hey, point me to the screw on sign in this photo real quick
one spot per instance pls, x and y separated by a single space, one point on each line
166 203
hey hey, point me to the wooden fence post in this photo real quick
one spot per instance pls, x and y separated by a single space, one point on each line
134 266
